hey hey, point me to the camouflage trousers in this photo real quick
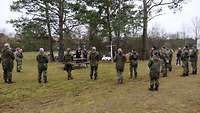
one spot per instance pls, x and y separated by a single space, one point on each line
185 66
93 72
19 65
164 69
133 69
119 75
169 66
154 80
194 67
7 75
42 74
7 72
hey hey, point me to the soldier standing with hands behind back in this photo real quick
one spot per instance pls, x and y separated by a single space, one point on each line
133 63
185 61
68 58
94 59
19 57
194 59
120 60
154 66
42 60
7 63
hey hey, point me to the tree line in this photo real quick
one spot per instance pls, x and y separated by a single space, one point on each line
98 23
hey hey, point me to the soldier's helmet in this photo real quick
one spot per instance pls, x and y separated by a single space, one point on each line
119 50
20 50
7 45
93 48
68 49
41 50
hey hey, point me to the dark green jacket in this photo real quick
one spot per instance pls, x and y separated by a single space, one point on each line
7 59
42 60
94 58
120 61
194 55
154 64
68 58
133 58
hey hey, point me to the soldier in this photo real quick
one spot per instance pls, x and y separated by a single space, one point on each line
164 60
120 60
85 54
153 49
178 57
78 53
68 58
193 60
185 60
7 63
94 59
133 63
42 60
154 66
19 57
170 57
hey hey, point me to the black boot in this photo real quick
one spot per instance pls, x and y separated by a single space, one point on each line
95 78
91 77
135 75
151 88
10 81
156 88
5 81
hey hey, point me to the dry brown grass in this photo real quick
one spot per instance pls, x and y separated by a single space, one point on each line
176 94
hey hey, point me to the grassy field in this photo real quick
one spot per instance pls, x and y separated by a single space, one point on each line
82 95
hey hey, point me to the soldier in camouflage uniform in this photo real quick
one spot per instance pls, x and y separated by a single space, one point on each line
42 60
154 66
7 63
68 58
133 58
170 57
194 59
94 59
19 57
164 60
185 61
120 60
178 56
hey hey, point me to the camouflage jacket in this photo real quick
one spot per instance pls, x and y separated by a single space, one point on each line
185 55
42 60
193 54
94 58
18 55
133 58
154 64
68 58
7 56
120 61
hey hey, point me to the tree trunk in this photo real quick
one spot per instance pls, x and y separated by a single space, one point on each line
118 38
49 32
61 22
109 28
144 34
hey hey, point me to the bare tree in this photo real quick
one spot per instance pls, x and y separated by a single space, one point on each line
196 28
151 9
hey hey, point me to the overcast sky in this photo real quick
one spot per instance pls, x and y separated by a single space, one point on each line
170 22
